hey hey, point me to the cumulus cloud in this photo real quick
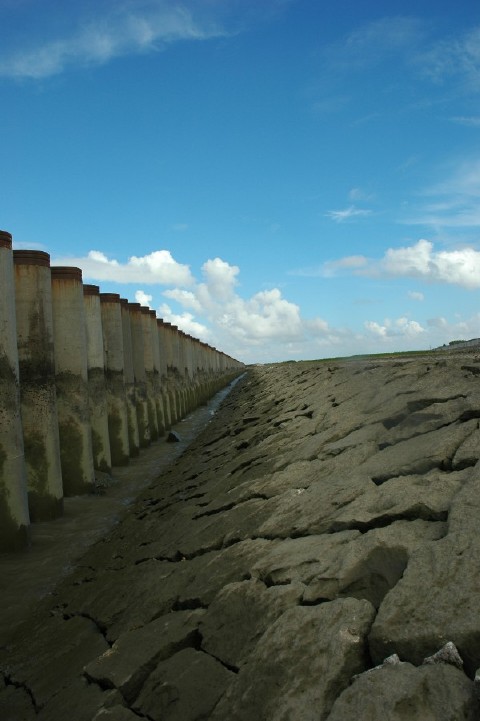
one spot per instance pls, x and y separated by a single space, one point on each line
142 298
220 278
185 298
264 322
117 29
459 267
266 325
156 267
394 328
186 322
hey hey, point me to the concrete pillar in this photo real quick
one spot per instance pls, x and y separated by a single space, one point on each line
114 363
140 375
129 380
33 303
102 459
157 383
164 373
70 350
171 374
14 517
148 361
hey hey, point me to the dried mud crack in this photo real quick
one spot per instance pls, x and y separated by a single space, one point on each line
304 560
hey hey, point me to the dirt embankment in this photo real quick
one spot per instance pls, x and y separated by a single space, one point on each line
326 520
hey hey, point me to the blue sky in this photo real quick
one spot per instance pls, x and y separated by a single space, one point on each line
285 179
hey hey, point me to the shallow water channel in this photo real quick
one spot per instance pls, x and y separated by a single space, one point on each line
55 545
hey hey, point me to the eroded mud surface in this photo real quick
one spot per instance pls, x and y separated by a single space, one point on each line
325 521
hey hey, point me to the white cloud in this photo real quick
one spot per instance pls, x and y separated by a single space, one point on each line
395 328
220 278
266 322
376 328
340 216
142 298
458 267
186 322
117 30
157 267
267 326
185 298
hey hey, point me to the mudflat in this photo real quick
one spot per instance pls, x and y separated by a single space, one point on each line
313 556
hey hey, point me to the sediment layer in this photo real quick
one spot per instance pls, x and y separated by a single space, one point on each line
306 560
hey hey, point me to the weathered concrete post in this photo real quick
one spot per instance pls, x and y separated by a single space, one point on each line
157 383
33 303
189 372
164 373
70 350
148 361
14 516
140 375
129 379
114 365
180 370
102 459
171 374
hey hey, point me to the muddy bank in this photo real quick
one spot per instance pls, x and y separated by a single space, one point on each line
306 559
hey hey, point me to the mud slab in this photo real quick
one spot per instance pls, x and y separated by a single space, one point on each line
306 559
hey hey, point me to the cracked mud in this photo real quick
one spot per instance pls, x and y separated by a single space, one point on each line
314 555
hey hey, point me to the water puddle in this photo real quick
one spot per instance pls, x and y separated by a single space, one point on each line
56 545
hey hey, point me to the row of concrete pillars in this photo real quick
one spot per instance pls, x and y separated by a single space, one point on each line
87 379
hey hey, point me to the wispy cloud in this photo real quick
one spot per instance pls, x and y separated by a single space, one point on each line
350 213
456 57
470 121
359 194
114 31
452 202
332 268
368 45
416 295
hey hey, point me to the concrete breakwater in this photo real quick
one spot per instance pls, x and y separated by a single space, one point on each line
313 556
86 379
